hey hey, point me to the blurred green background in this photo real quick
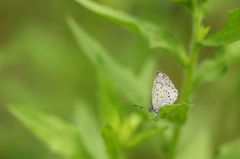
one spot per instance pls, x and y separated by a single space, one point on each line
42 66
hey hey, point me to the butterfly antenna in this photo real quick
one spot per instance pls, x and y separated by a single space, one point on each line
142 107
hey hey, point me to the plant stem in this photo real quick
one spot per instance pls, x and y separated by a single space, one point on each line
193 54
174 141
187 85
189 73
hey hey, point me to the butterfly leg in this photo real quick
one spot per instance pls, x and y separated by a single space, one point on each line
155 115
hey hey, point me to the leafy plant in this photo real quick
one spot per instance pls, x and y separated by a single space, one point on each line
119 128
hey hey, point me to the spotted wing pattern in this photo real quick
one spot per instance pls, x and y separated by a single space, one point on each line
163 92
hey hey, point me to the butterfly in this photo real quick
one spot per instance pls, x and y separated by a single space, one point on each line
163 93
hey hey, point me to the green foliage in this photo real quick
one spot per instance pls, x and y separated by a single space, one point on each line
115 73
174 113
126 81
187 3
111 74
110 67
155 35
62 138
111 141
171 109
87 125
115 126
230 150
140 137
107 97
213 68
228 34
191 4
182 1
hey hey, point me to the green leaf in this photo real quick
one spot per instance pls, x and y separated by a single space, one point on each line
213 68
191 5
128 127
147 76
156 36
140 137
175 113
110 108
111 142
89 129
187 3
230 150
182 1
202 32
61 137
172 109
123 76
228 34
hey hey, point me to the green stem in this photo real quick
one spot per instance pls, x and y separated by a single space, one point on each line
174 141
189 73
193 53
187 85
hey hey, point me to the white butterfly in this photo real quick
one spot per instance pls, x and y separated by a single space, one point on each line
163 92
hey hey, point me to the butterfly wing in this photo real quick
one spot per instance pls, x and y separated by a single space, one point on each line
163 92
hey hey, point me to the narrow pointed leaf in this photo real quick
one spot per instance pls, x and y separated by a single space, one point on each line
89 130
155 35
213 68
123 76
61 137
128 127
142 136
110 108
111 142
147 76
228 34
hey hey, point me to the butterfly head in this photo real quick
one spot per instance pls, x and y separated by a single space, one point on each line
152 110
